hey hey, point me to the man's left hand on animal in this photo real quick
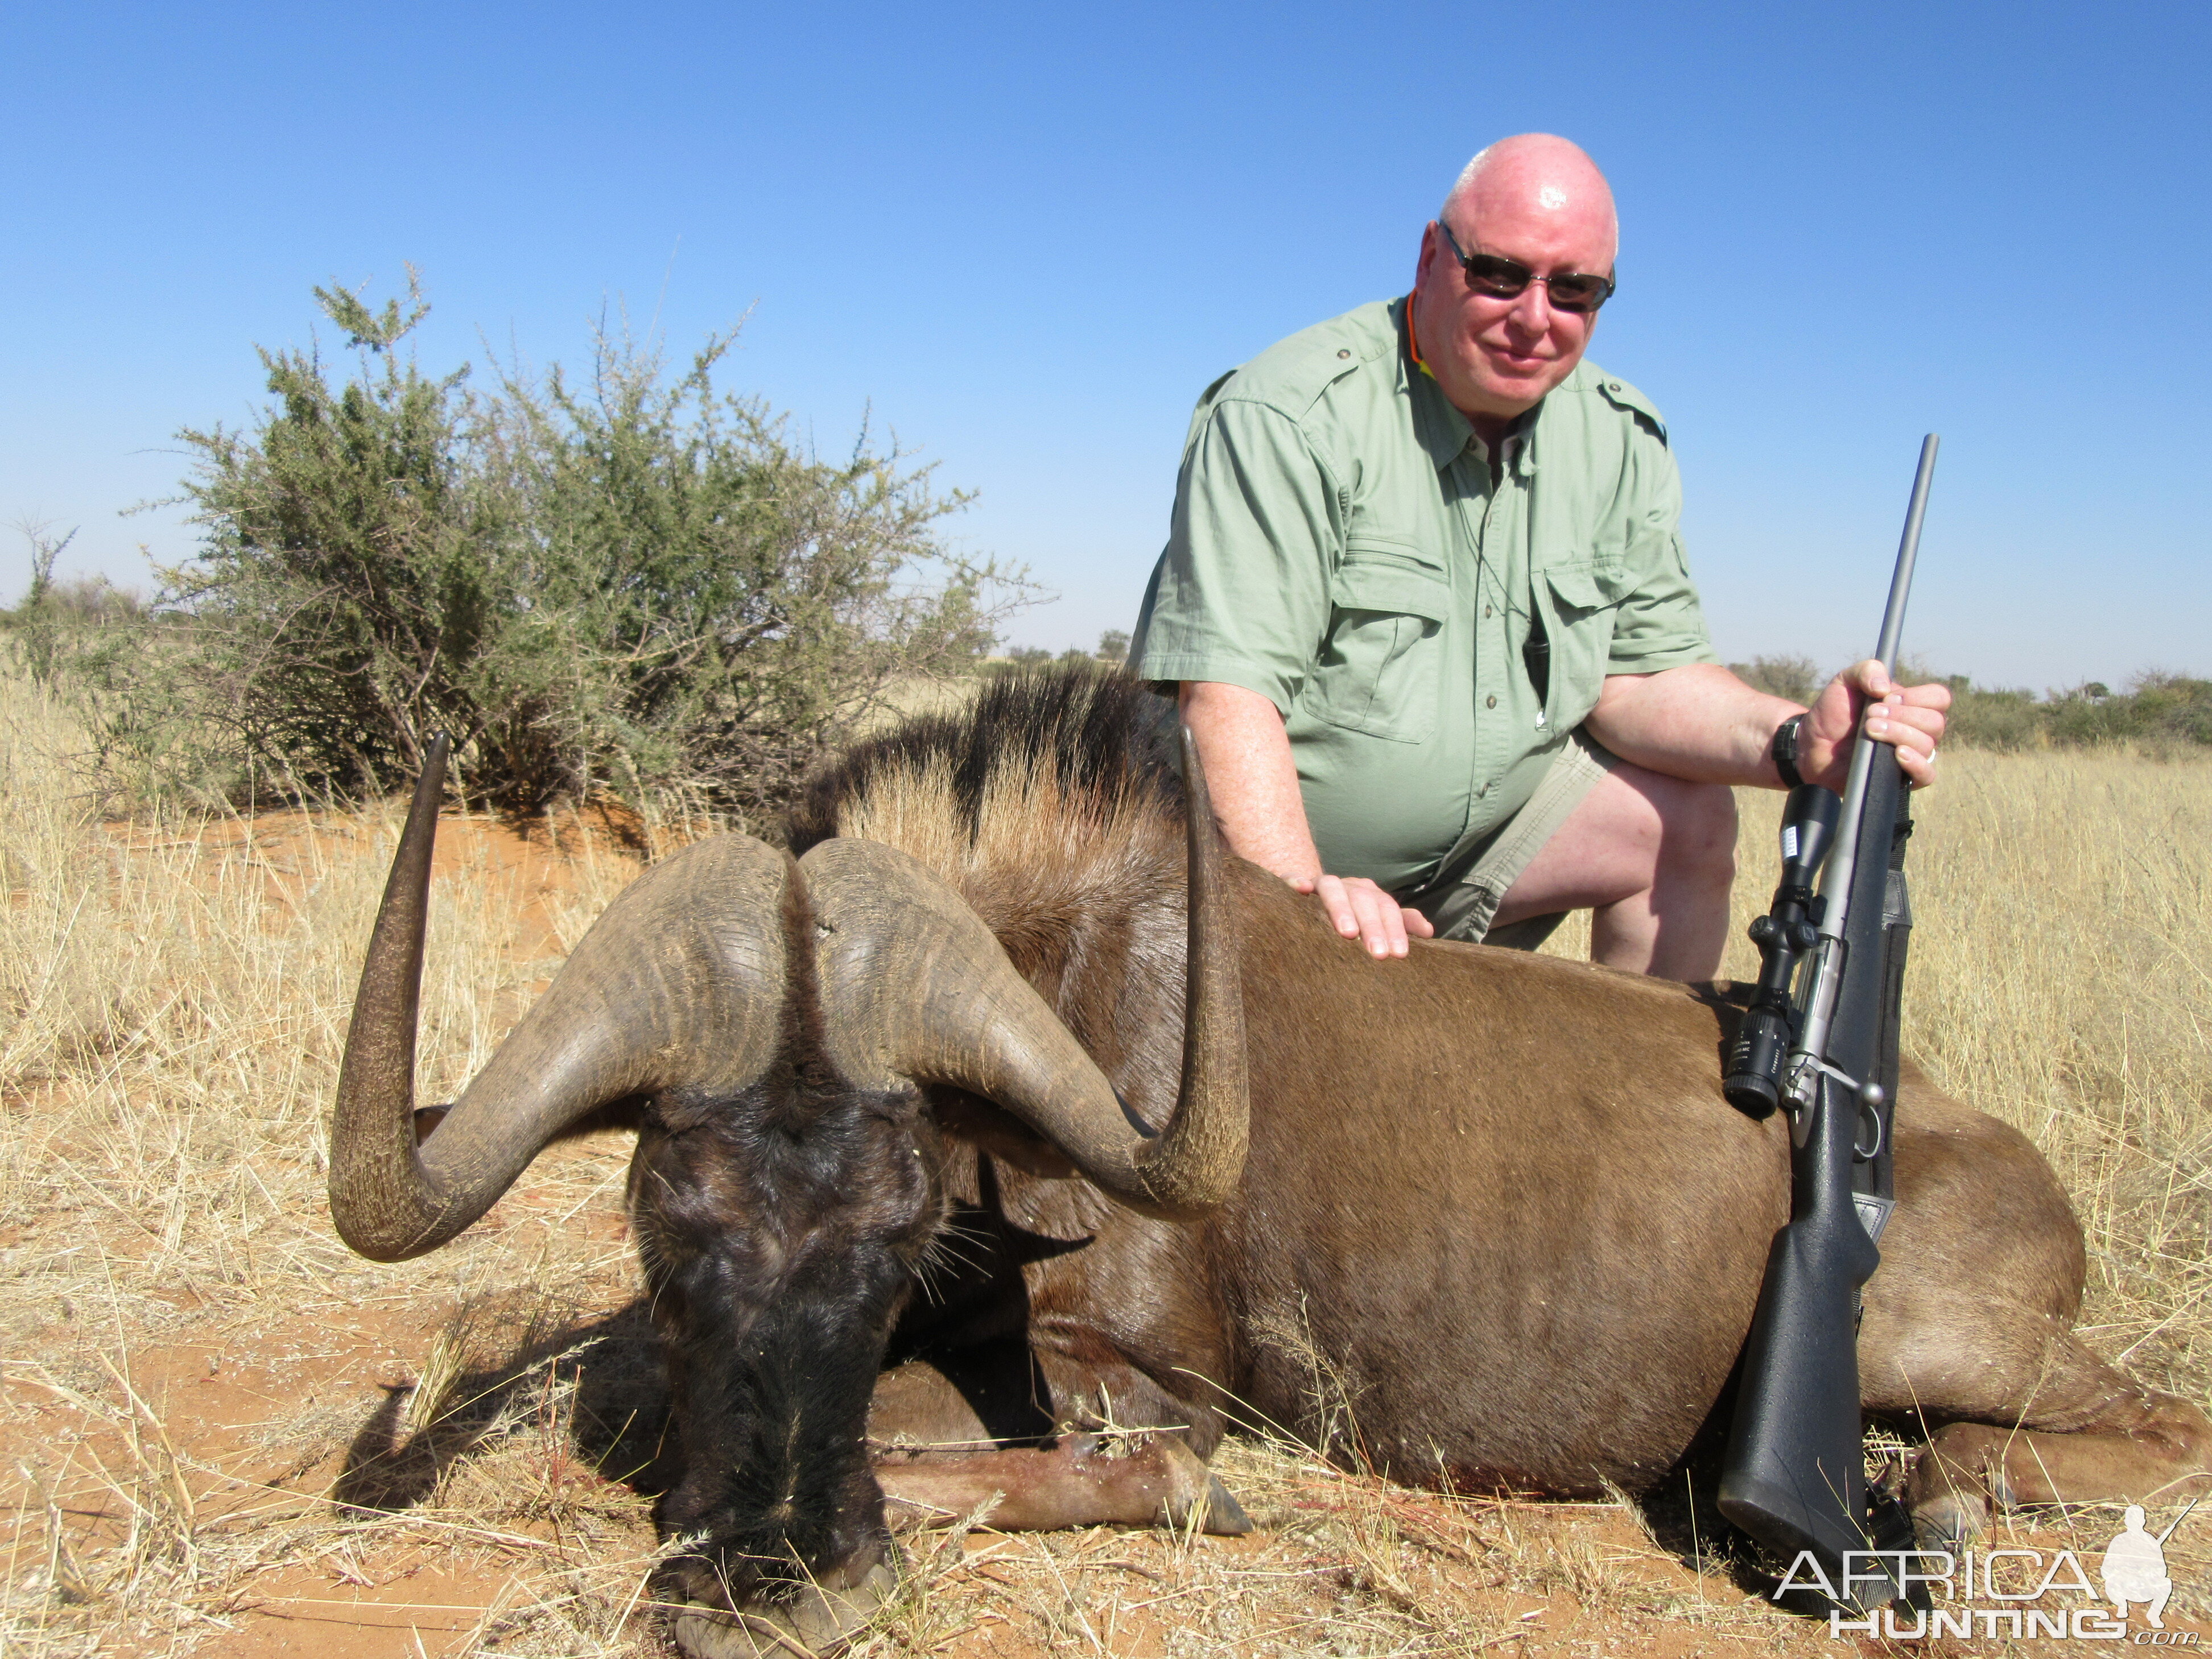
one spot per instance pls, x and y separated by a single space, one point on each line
1432 625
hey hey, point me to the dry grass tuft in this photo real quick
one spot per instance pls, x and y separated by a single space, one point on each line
222 1433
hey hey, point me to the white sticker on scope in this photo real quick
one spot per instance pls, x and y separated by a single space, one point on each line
1788 840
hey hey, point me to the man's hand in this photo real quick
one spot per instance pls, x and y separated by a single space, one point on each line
1359 909
1909 717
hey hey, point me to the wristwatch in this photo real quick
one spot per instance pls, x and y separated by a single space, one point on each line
1784 752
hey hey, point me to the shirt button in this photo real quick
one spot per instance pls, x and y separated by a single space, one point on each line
1485 611
1347 354
1489 701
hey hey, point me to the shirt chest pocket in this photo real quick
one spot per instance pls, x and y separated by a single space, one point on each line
1377 670
1577 603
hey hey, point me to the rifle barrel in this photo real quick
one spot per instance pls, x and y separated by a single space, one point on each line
1835 881
1908 550
2179 1518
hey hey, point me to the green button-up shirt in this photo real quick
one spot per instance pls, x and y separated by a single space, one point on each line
1341 547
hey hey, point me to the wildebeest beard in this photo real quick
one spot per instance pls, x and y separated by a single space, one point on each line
780 1234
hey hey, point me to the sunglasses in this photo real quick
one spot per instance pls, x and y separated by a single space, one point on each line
1506 279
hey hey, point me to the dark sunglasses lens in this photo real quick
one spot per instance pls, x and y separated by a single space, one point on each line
1500 278
1576 292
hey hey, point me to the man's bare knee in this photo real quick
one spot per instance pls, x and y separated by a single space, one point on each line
1697 835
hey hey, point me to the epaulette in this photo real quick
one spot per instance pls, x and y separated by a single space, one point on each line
1293 374
1621 395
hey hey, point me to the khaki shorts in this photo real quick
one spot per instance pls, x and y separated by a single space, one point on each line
1475 878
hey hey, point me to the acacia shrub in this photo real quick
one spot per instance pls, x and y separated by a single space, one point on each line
2161 713
633 586
64 628
2008 719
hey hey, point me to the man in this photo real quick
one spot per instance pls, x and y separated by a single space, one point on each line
1430 621
2134 1569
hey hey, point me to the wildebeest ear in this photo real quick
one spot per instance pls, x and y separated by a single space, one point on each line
1000 1133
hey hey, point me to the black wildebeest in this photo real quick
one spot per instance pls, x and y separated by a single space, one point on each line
1500 1194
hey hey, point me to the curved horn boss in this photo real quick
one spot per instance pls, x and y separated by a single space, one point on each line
680 981
915 986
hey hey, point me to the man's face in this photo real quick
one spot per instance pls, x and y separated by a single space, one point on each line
1496 358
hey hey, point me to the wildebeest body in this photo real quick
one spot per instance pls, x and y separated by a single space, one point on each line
1523 1235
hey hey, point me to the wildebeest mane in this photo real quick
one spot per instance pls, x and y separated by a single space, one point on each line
1053 805
1099 737
1086 745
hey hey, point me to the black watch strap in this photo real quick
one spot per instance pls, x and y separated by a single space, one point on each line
1784 752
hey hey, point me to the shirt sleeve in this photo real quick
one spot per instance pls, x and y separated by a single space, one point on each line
1241 592
1659 624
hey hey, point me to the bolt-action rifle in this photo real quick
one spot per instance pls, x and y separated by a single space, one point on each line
1820 1039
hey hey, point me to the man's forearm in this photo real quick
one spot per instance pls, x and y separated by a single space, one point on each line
1251 776
1254 782
1701 723
1698 722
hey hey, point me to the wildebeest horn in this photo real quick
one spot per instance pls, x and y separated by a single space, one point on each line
915 986
680 982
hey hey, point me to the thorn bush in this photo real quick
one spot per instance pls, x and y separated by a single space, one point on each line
623 586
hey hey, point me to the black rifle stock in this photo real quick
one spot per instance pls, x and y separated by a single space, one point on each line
1793 1477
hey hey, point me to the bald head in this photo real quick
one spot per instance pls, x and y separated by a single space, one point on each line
1539 175
1535 202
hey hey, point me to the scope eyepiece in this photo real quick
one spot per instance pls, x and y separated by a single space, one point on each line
1752 1082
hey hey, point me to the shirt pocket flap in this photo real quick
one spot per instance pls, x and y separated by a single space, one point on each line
1391 588
1584 587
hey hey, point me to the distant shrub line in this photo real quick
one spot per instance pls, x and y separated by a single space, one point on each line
2160 714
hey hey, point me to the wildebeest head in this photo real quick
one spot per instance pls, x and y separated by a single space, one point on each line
783 1034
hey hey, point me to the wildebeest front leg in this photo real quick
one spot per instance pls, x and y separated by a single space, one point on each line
1081 1480
1969 1328
2088 1434
939 1461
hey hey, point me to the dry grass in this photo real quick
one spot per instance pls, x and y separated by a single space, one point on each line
192 1358
220 1433
2061 979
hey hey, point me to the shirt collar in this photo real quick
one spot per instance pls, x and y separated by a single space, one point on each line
1440 429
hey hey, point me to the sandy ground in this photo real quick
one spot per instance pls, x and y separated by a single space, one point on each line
258 1445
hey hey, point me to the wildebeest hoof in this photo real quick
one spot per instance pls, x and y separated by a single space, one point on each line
1195 1490
1224 1516
817 1622
1948 1519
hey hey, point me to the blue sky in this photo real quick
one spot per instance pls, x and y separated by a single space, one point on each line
1024 238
